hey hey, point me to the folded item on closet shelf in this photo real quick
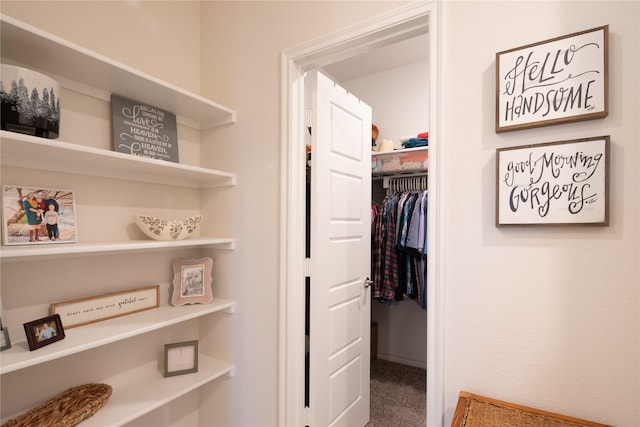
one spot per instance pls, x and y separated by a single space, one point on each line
413 157
420 135
386 145
391 164
412 165
416 142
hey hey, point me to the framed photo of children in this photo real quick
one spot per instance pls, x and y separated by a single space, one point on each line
38 215
192 281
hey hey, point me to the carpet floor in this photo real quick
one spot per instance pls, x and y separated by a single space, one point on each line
398 395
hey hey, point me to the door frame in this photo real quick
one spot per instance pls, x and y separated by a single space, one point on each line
414 19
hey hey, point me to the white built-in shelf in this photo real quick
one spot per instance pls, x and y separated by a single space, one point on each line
58 156
131 401
39 50
83 338
34 252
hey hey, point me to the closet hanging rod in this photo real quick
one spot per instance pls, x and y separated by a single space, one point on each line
387 178
415 182
404 175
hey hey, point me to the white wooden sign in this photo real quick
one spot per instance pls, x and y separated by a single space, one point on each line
93 309
564 182
554 81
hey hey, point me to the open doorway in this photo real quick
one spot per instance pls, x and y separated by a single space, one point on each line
404 24
394 81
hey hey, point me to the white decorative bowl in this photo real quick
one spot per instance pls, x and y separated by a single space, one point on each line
30 102
162 229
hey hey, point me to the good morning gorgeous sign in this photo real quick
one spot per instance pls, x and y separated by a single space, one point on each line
554 81
554 183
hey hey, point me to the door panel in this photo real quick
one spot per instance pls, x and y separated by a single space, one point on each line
339 330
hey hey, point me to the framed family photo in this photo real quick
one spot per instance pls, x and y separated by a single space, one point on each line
38 215
192 281
44 331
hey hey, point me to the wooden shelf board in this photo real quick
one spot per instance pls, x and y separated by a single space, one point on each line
131 401
83 338
27 252
58 156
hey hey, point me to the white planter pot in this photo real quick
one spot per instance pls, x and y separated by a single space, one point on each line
30 102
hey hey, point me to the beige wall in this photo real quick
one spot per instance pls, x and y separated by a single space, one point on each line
241 47
546 317
161 38
542 316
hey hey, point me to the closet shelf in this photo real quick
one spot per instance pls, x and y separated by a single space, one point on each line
133 400
83 338
400 162
23 253
58 156
45 52
395 152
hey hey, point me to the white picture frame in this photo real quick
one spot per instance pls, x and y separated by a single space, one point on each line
26 219
83 311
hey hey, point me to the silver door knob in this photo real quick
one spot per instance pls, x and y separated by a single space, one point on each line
368 282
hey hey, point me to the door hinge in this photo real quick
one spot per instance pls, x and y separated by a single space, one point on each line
307 416
307 267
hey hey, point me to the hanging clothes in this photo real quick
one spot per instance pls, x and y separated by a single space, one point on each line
399 248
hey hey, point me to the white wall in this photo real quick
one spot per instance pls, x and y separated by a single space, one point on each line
242 44
399 98
546 317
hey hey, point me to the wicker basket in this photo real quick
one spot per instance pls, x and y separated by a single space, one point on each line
474 410
66 409
480 413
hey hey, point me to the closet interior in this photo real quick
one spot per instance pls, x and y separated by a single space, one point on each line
396 86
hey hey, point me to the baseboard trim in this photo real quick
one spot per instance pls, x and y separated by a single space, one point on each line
403 360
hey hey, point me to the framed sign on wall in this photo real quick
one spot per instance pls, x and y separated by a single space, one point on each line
143 130
555 81
565 182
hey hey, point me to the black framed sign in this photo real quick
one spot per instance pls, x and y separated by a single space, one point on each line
564 182
143 130
555 81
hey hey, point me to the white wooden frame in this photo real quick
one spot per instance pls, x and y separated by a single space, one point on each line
405 22
78 312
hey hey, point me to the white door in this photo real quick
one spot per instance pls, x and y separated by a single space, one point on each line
339 326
